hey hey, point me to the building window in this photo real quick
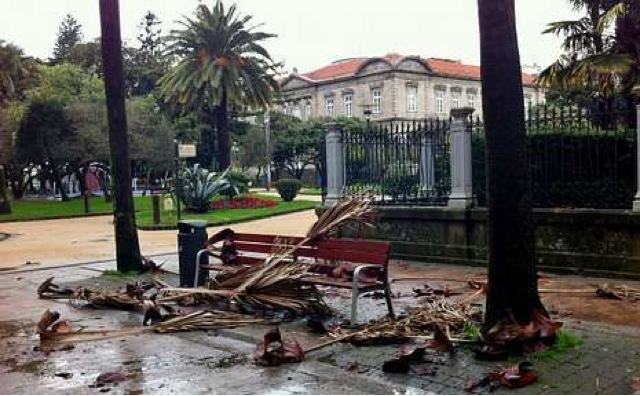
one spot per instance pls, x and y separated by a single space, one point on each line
328 107
471 100
307 110
348 105
296 112
412 99
377 101
455 100
439 102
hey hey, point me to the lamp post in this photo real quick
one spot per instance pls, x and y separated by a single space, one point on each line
267 138
176 183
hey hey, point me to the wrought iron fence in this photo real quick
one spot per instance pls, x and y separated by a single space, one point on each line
579 158
399 162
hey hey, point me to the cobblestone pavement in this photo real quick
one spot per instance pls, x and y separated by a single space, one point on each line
220 362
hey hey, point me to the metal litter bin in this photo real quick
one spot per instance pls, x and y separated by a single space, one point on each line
192 235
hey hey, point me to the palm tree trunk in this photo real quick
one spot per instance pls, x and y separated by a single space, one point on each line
127 244
224 136
513 290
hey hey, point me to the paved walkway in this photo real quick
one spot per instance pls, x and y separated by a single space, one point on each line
220 362
61 242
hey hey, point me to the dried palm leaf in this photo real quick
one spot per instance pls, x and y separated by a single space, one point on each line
420 322
103 298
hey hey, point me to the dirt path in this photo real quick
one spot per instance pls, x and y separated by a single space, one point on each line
69 241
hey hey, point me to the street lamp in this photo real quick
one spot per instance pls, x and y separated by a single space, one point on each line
267 138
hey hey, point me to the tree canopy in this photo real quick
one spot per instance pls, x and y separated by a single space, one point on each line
602 49
69 34
221 62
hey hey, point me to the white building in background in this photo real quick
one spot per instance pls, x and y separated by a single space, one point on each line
390 87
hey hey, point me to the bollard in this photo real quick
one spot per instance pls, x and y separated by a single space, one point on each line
156 209
86 197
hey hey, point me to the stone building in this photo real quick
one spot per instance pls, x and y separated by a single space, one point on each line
389 87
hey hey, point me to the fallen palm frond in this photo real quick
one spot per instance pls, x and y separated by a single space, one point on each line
419 322
208 320
103 298
277 283
50 291
53 330
280 288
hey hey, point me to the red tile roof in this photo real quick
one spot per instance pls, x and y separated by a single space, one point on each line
441 67
454 68
341 68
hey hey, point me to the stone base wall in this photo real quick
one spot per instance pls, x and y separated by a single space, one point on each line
580 241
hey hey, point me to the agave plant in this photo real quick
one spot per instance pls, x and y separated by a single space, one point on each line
199 186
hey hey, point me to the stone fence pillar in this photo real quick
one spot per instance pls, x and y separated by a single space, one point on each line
335 164
461 182
636 199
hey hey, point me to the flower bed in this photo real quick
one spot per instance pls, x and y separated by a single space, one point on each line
243 203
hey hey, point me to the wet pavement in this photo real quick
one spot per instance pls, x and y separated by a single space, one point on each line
221 362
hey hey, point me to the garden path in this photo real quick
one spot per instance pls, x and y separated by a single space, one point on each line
49 243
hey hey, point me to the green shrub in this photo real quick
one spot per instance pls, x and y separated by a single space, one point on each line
401 186
198 187
239 180
288 188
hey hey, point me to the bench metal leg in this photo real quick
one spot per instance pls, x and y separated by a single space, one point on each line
387 297
198 256
354 305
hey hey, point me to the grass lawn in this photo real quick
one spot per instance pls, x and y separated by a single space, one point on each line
49 209
311 191
224 216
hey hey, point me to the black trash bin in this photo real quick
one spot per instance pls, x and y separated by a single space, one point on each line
192 235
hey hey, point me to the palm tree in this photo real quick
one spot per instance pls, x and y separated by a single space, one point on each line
127 244
602 49
512 295
222 64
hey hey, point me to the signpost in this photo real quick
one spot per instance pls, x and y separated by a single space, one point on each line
181 151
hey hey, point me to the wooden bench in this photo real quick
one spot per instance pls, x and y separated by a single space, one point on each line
362 254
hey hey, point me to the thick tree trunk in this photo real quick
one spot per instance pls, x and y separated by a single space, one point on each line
224 135
127 244
513 287
5 204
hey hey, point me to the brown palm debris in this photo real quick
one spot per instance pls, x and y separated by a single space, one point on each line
279 288
103 298
277 283
273 350
420 322
516 376
49 290
208 320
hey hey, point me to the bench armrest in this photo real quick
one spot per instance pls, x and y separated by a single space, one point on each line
356 271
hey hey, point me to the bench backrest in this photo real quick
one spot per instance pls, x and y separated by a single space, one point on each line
347 250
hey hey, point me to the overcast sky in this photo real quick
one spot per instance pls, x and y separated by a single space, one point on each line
310 33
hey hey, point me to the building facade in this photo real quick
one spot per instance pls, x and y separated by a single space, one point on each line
388 88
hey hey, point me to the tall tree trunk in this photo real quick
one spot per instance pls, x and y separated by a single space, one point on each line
127 244
224 135
5 204
513 286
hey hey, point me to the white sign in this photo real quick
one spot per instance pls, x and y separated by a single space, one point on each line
186 150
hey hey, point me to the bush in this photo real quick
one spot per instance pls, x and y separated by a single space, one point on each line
401 186
239 180
198 187
288 188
